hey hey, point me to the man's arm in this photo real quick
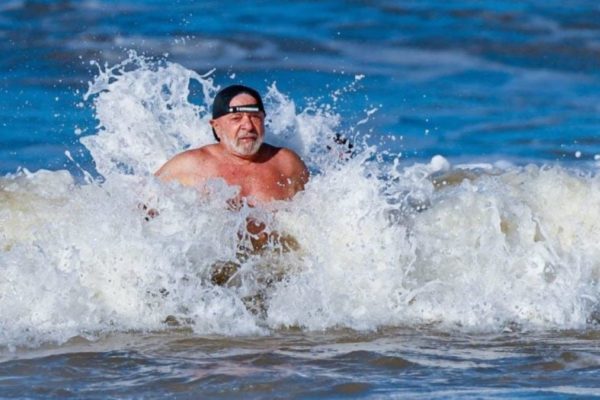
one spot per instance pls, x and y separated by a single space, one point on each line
296 170
303 175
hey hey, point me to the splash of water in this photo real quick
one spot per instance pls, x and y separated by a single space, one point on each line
374 243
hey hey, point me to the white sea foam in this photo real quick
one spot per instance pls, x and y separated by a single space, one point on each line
485 247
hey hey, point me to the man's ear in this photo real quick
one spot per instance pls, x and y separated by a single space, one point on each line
214 123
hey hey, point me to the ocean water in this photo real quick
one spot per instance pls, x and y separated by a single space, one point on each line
450 253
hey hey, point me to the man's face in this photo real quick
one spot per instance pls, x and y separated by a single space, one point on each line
241 133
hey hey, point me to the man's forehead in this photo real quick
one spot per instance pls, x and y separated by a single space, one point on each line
243 98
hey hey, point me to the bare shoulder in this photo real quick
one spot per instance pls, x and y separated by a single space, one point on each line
291 164
184 166
288 156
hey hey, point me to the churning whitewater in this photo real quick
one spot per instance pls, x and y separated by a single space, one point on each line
378 243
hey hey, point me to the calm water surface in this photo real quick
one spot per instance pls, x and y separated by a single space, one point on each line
336 364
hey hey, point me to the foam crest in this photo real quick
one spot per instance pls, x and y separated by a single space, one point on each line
367 244
497 251
90 262
509 248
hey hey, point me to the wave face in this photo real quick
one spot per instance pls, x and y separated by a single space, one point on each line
375 243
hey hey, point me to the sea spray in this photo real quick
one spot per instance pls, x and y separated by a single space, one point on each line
377 243
144 115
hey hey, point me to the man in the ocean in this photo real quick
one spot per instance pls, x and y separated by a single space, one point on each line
240 157
262 172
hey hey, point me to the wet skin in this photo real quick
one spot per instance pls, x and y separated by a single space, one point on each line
262 172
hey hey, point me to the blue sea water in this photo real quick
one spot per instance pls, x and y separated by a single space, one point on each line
454 256
468 80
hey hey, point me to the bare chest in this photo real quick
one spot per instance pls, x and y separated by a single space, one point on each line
264 182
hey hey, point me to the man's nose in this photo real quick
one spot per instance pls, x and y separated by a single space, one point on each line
246 120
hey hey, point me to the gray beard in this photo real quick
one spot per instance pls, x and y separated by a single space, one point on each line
242 149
